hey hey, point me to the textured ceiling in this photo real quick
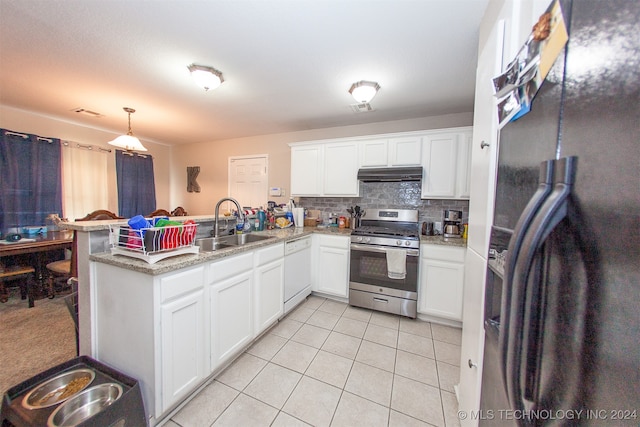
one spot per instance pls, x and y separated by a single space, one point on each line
287 65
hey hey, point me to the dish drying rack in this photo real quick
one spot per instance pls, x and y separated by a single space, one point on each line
155 243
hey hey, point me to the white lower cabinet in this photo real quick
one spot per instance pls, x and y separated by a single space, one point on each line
152 328
441 281
231 311
269 287
182 346
231 317
173 330
330 265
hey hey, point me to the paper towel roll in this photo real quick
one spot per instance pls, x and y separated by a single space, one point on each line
298 217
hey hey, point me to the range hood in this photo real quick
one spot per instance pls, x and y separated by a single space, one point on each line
390 174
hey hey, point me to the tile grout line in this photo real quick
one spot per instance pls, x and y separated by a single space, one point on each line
353 360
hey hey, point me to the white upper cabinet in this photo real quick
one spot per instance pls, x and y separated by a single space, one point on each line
341 169
330 167
439 160
446 160
307 170
399 151
325 169
463 177
405 151
374 153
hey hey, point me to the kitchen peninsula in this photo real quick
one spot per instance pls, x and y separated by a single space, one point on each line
175 324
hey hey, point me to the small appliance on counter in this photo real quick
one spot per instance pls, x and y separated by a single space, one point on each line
452 223
428 228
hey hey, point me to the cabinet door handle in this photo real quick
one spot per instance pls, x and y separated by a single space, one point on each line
484 144
381 300
472 365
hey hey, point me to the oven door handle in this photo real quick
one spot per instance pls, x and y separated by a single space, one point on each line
378 249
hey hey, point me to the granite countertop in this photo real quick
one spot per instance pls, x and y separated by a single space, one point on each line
181 261
444 241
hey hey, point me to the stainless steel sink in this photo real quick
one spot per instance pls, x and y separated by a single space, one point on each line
250 238
210 244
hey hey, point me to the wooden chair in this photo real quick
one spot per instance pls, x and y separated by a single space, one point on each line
98 215
62 270
158 212
27 284
179 211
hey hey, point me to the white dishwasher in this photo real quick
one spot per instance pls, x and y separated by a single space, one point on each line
297 271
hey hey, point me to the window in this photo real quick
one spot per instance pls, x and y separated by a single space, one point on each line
136 185
30 182
85 179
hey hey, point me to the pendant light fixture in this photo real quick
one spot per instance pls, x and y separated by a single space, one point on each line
128 141
206 77
364 91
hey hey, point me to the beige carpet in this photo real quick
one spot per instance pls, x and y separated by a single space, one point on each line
33 339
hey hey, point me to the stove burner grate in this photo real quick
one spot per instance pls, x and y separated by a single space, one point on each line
375 231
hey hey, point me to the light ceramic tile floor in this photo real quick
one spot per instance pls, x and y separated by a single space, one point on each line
329 364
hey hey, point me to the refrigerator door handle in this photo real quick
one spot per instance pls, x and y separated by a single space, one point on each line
545 185
552 212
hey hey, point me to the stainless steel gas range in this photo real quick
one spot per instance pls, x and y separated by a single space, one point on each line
385 252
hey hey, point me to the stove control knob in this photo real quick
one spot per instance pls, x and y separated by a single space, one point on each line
399 242
359 239
407 243
367 239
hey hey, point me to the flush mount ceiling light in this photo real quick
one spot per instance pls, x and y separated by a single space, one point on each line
206 77
364 91
128 141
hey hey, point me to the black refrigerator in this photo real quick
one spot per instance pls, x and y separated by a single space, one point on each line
562 302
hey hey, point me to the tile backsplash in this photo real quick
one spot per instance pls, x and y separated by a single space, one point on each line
380 195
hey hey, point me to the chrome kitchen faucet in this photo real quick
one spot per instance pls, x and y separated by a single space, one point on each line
216 232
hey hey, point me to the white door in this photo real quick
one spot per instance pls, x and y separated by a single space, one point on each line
248 180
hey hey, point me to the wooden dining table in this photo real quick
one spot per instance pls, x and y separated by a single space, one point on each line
36 250
49 241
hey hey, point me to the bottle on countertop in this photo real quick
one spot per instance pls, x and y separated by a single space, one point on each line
271 219
289 215
261 219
